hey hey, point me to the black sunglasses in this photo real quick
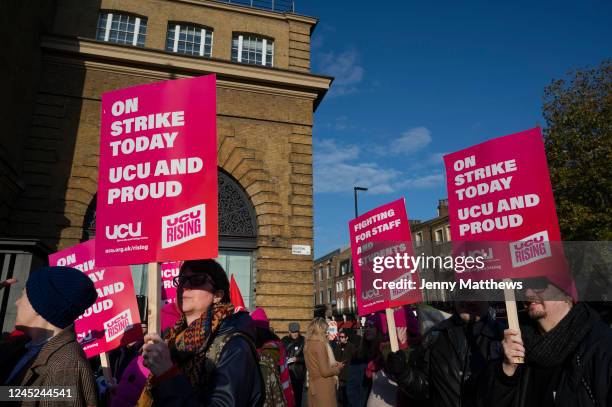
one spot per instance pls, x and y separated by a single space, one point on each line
536 283
194 280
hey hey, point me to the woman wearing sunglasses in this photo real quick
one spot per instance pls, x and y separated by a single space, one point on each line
208 357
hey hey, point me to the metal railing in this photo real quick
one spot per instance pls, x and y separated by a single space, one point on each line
281 6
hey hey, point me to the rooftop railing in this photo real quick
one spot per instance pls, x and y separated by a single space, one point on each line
280 6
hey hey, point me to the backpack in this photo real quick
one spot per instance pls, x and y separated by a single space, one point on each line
269 387
271 377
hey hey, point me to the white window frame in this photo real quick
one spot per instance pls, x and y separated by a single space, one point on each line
441 235
203 32
264 49
109 24
418 239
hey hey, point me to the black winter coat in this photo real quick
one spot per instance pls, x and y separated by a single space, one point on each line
295 349
585 378
447 369
236 379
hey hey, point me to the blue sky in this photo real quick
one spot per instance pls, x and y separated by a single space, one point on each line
416 80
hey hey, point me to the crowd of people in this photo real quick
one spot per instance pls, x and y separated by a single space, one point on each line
211 354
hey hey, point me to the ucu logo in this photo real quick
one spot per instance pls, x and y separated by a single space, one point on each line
368 295
183 226
122 231
539 238
183 218
85 337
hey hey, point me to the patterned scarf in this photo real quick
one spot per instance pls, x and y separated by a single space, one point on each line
188 345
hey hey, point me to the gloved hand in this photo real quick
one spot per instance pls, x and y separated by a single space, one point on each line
396 363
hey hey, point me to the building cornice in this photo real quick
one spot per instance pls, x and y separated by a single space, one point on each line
251 10
157 63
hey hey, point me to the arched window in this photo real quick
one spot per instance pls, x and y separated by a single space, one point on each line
122 28
252 49
189 39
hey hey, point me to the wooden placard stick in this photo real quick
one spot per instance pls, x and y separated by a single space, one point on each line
106 370
153 297
392 331
512 313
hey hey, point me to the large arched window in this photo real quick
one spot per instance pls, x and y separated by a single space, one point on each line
237 237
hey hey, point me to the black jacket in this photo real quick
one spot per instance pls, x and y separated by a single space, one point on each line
584 378
236 379
344 354
12 349
295 349
447 368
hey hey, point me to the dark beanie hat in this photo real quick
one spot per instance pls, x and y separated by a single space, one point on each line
214 270
60 294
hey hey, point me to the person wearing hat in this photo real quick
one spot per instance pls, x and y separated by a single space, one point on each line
53 298
208 357
567 352
294 345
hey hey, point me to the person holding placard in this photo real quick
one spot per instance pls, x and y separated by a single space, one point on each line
53 298
448 367
567 351
209 356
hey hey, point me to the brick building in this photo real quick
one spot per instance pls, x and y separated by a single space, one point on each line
334 283
71 51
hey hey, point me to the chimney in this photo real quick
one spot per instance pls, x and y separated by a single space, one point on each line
442 207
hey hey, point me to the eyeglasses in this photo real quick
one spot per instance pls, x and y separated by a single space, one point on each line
194 280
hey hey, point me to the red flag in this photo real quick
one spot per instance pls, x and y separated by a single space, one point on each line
236 296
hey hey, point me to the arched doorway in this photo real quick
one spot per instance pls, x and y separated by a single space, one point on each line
237 237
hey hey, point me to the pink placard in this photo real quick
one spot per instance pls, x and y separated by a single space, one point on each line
157 197
113 320
501 206
169 271
383 231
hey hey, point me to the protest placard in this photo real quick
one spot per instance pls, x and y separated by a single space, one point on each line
169 270
382 232
157 197
501 206
113 320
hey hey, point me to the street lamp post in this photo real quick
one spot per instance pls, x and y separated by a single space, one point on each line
355 189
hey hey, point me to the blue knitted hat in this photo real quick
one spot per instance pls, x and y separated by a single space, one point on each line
60 294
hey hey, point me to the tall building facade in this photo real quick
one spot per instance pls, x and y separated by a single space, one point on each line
76 50
334 283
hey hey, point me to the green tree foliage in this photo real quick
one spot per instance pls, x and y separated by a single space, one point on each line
578 140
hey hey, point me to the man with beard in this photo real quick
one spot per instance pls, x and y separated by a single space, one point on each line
445 370
567 351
